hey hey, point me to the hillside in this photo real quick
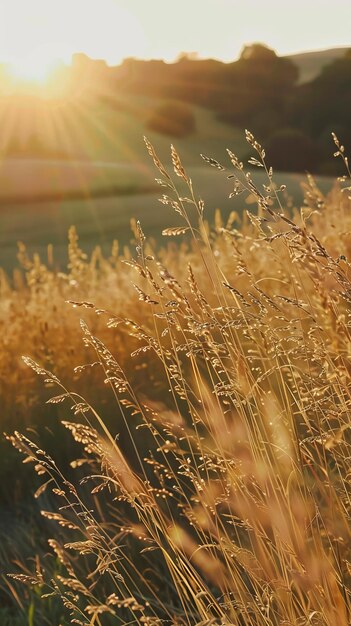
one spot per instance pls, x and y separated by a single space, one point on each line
200 105
109 128
311 63
101 218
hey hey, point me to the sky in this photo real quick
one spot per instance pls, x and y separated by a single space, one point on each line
37 34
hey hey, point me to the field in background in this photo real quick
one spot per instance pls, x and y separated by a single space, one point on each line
40 199
100 220
110 183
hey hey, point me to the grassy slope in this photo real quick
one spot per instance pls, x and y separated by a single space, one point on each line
118 169
100 220
310 64
115 154
112 131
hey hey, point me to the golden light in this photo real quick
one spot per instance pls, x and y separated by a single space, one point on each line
114 29
34 69
36 34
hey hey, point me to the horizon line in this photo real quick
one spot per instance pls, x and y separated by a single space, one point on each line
185 53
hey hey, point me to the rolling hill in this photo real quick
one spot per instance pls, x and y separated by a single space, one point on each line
311 63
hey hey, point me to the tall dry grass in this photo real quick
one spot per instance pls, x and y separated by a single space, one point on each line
227 499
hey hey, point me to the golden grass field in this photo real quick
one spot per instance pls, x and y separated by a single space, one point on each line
207 390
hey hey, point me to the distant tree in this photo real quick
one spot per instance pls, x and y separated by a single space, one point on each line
261 83
257 52
172 118
326 101
187 56
258 62
292 151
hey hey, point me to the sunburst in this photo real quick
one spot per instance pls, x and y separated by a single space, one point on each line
33 68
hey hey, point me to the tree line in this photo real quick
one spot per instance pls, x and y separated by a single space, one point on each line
261 92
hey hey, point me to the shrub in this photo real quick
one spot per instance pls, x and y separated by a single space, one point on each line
290 150
173 119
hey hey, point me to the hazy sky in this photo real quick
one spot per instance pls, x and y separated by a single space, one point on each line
35 33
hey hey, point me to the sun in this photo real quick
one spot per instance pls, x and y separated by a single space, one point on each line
32 68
